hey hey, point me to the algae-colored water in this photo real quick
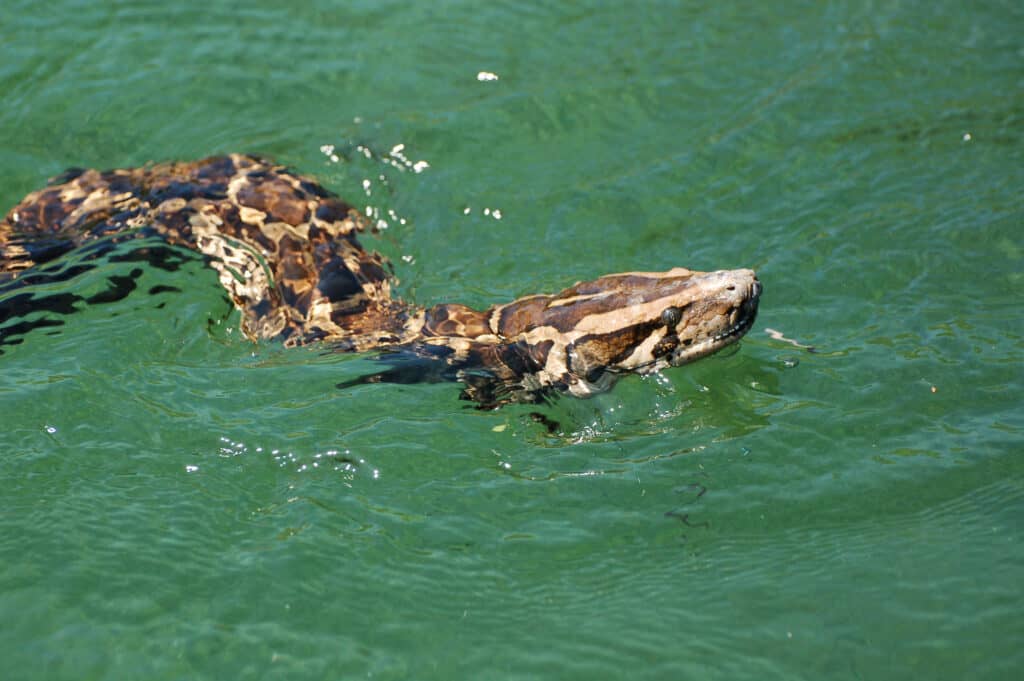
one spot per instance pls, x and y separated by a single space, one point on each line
178 503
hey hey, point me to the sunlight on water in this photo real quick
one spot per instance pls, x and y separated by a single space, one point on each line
837 497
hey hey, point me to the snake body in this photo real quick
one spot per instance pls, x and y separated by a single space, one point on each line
288 256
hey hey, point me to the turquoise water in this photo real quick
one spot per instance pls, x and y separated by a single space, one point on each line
180 503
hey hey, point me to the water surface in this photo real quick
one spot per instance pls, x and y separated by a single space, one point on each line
181 503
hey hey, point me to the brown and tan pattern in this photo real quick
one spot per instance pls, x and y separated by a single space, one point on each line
287 253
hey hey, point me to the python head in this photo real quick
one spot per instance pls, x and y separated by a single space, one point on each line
583 338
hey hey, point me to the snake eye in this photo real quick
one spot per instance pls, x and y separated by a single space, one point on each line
671 317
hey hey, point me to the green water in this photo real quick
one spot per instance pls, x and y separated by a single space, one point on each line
178 503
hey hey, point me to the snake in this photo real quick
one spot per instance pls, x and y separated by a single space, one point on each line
288 255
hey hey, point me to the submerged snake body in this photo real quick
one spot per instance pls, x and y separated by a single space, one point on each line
287 254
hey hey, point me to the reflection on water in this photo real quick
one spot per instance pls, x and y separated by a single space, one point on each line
180 502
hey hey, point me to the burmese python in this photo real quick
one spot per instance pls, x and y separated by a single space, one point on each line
287 254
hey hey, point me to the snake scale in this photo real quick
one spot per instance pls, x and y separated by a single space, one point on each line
287 253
